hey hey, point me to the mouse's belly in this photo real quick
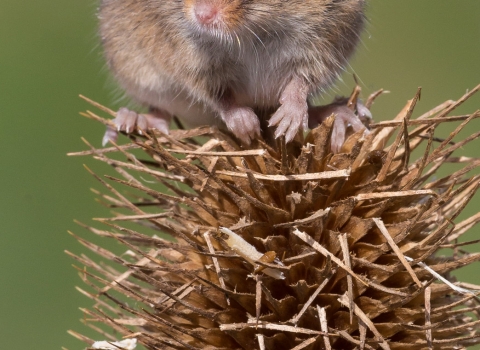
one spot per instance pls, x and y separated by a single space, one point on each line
177 102
261 83
261 96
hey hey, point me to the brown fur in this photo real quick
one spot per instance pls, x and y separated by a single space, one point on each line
164 59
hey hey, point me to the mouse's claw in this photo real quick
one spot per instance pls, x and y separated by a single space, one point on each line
129 121
111 134
364 114
344 118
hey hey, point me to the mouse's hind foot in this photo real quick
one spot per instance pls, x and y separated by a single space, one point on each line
345 117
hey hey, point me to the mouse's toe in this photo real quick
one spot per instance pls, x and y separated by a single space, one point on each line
156 121
243 123
129 121
126 120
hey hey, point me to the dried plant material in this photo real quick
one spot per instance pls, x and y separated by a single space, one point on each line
322 315
310 301
300 177
261 341
206 235
344 300
248 252
126 344
272 326
258 297
346 259
253 152
443 279
396 250
286 246
428 319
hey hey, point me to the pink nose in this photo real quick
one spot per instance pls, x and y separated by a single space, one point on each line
205 12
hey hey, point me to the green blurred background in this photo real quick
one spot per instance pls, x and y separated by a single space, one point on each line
49 54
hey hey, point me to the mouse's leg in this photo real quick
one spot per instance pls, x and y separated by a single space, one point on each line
240 120
344 117
293 112
129 121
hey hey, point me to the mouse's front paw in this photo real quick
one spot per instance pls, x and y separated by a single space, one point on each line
243 123
128 121
291 117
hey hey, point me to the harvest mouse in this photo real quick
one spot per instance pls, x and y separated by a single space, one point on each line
223 62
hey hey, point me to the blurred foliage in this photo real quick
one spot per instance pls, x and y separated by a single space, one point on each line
49 54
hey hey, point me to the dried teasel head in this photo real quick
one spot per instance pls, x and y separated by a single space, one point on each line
287 248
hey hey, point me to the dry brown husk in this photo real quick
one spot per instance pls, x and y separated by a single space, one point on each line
343 228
